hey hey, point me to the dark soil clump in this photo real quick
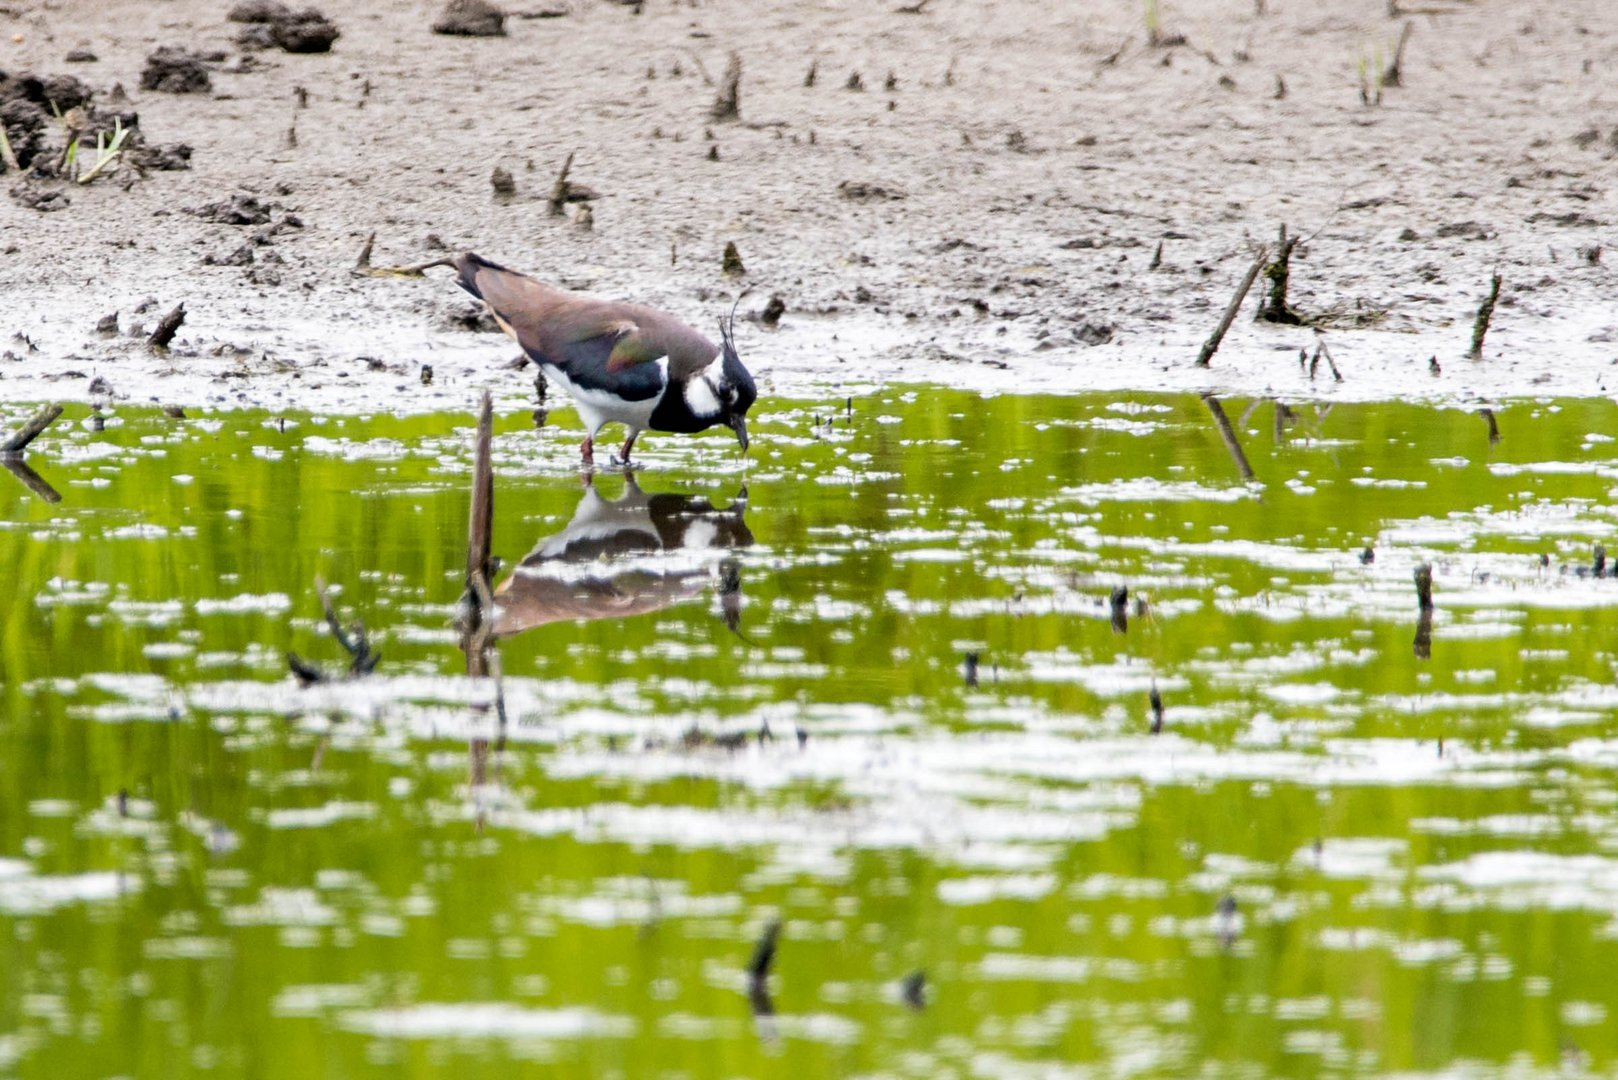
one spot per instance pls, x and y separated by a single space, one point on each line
237 210
174 70
39 197
25 128
471 18
259 11
307 32
275 26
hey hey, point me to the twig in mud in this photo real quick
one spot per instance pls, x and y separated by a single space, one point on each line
29 478
1323 353
363 268
912 9
1480 325
727 106
1275 309
30 431
702 69
480 524
167 328
1227 435
1157 257
561 189
1211 346
1393 74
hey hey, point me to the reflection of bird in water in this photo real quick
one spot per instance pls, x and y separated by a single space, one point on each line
632 555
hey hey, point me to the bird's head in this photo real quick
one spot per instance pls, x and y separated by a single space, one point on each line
736 390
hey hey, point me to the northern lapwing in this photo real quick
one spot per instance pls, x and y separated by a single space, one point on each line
621 363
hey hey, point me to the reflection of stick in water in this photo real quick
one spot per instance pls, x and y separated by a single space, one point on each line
31 479
758 976
362 658
1423 645
1228 435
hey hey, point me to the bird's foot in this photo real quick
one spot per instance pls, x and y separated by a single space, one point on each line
625 464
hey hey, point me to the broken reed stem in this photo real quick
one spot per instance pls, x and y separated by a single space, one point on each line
1393 74
167 328
1227 434
727 106
1211 346
30 431
1480 325
364 261
561 189
481 523
1279 272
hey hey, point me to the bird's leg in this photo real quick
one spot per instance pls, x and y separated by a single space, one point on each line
587 450
622 457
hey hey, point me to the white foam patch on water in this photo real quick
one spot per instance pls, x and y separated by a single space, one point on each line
281 907
486 1020
316 999
245 603
356 449
319 816
136 532
989 887
22 893
1410 952
1522 825
1517 880
1353 857
638 902
1146 489
818 1027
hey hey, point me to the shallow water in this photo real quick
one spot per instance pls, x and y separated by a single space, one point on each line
1336 857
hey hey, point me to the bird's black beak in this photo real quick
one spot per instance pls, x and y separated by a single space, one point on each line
738 424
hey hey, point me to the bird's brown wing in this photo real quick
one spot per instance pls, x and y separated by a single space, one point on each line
588 339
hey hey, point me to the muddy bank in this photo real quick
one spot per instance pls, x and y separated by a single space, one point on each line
997 196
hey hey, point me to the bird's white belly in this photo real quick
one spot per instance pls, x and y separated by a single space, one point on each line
598 408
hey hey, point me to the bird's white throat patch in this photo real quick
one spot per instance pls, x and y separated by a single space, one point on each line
702 392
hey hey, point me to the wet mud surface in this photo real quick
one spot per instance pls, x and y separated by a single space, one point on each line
1002 196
